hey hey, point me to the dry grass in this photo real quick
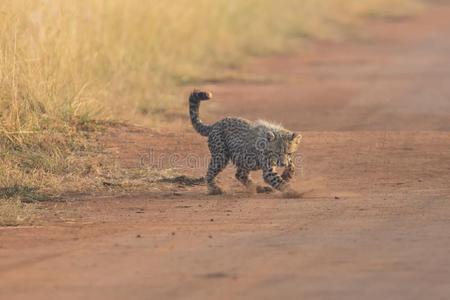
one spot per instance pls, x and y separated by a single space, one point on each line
66 63
14 212
122 59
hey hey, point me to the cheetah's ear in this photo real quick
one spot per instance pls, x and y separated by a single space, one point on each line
270 136
296 137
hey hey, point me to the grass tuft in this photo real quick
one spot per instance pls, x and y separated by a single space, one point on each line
14 212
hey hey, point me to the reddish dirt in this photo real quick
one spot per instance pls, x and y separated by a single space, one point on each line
373 222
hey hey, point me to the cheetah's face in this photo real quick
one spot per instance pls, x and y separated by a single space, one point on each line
281 147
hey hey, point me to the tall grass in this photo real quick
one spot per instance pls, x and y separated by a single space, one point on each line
114 58
64 63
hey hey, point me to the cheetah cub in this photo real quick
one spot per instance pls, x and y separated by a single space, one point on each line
250 146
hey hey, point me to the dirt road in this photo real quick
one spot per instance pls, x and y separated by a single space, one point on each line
373 223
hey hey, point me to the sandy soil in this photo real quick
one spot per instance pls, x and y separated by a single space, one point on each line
375 172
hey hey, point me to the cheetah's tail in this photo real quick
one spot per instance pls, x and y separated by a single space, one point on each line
194 105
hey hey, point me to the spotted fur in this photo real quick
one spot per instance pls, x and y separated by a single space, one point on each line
250 146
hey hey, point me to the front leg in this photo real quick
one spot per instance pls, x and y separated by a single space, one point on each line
277 182
288 172
273 179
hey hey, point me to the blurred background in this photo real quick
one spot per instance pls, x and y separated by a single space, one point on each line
127 59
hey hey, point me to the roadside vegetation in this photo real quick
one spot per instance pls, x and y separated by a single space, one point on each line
68 69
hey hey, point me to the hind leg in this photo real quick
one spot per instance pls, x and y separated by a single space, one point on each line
216 165
243 176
